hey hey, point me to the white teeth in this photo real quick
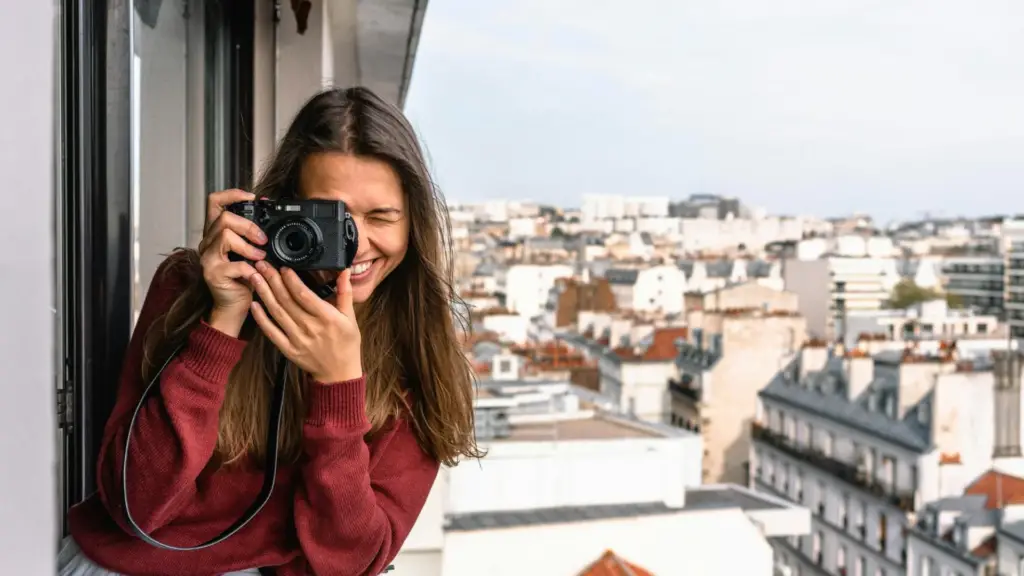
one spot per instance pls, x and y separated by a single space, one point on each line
361 267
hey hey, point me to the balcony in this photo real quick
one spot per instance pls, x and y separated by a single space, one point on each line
841 470
685 388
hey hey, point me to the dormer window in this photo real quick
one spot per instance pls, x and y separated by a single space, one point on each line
958 536
923 413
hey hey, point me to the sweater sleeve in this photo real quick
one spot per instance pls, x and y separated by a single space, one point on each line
176 430
352 513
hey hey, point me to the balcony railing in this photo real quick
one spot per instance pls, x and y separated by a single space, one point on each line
689 391
903 500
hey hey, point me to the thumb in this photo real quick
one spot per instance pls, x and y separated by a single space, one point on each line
344 298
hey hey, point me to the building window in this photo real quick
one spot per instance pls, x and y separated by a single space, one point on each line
844 504
841 558
858 566
827 439
816 547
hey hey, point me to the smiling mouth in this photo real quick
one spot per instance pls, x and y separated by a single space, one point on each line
362 267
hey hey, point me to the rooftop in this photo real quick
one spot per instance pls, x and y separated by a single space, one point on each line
711 497
595 428
610 564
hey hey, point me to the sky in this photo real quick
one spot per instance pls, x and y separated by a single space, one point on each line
896 108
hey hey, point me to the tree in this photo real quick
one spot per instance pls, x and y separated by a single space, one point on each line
907 294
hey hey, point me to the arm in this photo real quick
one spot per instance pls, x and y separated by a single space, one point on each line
353 514
176 430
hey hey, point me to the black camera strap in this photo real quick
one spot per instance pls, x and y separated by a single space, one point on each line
270 467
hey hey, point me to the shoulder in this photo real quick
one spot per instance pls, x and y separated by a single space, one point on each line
178 272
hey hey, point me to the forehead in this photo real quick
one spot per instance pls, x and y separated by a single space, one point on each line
363 184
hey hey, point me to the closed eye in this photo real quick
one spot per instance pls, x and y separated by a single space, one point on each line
389 215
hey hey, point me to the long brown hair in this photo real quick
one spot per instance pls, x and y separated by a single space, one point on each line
413 363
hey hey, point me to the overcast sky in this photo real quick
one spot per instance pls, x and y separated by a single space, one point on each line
892 107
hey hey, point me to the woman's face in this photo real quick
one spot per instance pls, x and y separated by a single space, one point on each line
372 191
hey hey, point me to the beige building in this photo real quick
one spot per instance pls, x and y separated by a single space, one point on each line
739 337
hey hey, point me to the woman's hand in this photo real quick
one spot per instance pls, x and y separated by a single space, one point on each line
320 338
227 232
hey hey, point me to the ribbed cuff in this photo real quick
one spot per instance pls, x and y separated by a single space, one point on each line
338 403
211 354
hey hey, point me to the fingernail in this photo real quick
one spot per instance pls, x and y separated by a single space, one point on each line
260 253
255 278
261 236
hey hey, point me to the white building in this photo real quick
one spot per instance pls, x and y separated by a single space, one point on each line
527 286
563 483
613 207
655 289
861 277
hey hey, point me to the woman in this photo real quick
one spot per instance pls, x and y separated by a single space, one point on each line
378 396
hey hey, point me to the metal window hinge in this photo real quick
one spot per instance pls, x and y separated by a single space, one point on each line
185 9
66 401
277 11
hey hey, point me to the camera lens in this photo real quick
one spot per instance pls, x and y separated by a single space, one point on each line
295 242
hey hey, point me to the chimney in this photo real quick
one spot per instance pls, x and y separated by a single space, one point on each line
1006 371
860 371
813 357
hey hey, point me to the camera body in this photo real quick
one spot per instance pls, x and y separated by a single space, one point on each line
303 234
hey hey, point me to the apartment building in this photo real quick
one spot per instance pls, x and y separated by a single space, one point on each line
830 286
738 339
866 436
652 289
1013 244
927 320
569 297
567 486
978 533
635 373
976 280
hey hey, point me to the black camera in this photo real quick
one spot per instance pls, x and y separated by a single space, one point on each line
303 234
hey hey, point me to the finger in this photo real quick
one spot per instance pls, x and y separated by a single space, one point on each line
231 242
344 298
303 296
241 226
274 334
284 317
217 201
236 270
284 297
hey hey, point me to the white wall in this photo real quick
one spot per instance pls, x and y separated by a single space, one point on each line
527 286
27 506
527 475
704 543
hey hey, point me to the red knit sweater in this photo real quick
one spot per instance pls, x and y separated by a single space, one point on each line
344 509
